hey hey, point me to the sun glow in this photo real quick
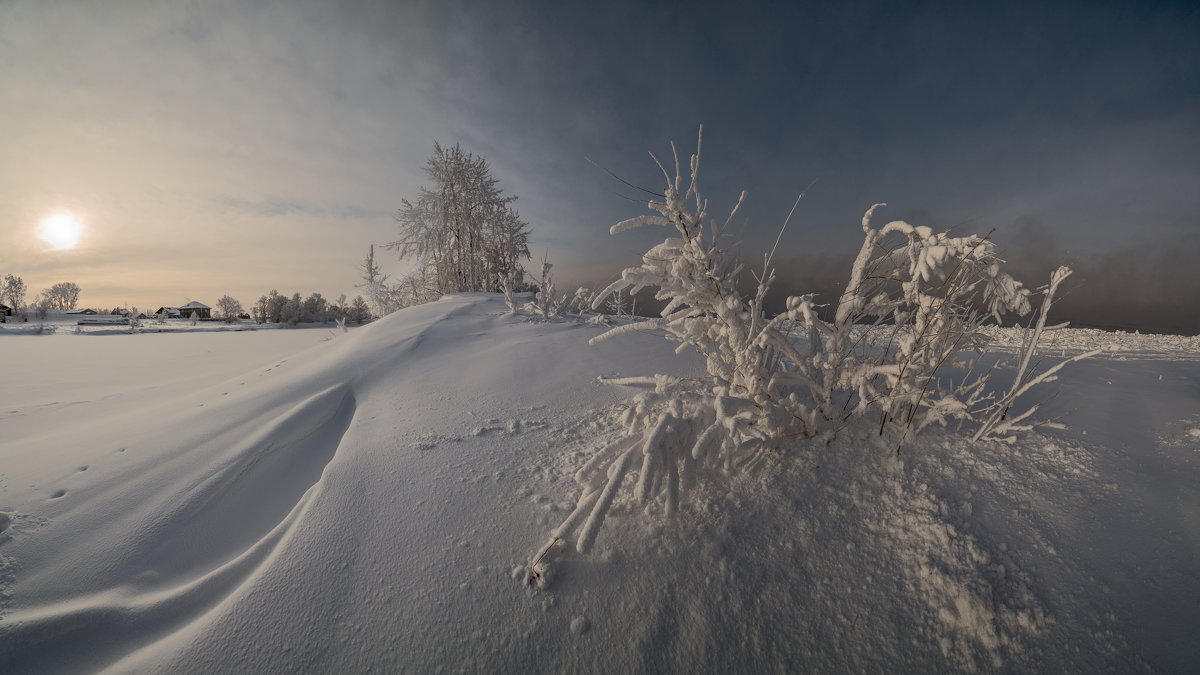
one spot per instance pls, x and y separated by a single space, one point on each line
61 231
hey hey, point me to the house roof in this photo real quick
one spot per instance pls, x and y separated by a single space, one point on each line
195 305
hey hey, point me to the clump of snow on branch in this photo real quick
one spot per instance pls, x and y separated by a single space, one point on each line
914 301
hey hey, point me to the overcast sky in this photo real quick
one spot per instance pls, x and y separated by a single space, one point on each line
234 147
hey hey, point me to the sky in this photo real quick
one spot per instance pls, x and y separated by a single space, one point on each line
215 147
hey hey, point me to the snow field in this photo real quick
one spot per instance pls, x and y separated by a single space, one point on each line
371 502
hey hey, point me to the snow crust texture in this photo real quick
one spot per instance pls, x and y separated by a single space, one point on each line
369 502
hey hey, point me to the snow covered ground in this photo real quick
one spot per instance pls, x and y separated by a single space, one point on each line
270 501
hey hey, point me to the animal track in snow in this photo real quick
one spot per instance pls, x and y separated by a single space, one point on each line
510 428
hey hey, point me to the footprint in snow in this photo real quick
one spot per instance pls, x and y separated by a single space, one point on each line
58 494
82 468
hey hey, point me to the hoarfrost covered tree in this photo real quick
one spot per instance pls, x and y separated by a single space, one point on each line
292 310
462 231
276 307
228 309
505 243
314 309
915 299
414 289
135 320
383 297
260 310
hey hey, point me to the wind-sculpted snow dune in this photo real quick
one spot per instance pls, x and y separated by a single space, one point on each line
370 503
225 491
196 536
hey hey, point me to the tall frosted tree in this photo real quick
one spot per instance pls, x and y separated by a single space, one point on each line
462 229
276 307
260 310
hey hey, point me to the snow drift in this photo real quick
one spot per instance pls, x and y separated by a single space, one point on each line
369 502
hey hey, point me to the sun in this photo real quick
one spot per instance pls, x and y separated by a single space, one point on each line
61 231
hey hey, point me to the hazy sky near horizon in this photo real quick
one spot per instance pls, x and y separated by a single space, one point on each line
216 147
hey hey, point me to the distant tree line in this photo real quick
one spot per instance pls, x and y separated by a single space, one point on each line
276 307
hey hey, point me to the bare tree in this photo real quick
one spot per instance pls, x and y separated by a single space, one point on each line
359 310
13 292
63 295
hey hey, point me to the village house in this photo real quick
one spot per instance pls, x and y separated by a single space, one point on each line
202 311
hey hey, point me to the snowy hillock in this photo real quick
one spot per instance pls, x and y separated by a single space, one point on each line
370 502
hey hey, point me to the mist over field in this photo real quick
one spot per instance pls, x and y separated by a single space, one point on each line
1151 286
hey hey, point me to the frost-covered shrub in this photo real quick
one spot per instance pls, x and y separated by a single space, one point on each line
581 302
507 287
915 300
616 303
547 302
